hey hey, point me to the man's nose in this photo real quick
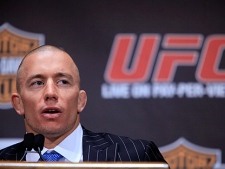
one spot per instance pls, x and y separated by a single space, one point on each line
50 91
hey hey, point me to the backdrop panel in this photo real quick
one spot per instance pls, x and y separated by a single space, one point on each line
151 69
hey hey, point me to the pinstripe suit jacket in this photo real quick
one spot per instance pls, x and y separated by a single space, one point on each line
102 147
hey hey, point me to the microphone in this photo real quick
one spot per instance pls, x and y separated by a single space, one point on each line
38 144
27 143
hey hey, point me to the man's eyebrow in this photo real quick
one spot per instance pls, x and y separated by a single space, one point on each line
38 76
62 74
58 74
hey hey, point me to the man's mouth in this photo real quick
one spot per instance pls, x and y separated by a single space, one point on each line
51 111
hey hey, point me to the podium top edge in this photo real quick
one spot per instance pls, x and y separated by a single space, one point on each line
83 165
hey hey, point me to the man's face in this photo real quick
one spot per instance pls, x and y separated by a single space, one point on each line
49 94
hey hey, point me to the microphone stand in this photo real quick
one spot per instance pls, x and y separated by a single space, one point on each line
39 152
36 142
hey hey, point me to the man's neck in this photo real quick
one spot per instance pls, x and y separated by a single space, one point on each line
52 141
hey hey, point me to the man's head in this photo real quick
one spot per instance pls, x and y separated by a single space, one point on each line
40 49
49 95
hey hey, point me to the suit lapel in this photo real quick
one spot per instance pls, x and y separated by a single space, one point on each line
97 148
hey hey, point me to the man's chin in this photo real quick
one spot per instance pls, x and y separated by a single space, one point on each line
50 133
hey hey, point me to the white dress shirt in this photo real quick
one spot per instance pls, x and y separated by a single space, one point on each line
71 148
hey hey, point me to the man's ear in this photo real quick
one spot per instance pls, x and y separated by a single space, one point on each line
17 103
82 100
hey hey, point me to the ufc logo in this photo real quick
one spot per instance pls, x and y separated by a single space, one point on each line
177 50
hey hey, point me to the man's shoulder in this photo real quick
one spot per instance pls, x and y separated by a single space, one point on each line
11 151
123 141
128 149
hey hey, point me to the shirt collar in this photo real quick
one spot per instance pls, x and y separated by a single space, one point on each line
71 147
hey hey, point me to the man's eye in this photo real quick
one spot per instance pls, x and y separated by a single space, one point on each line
38 83
63 82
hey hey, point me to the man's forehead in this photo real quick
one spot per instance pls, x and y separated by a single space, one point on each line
35 58
51 61
46 48
44 53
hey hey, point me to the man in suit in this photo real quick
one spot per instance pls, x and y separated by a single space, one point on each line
50 99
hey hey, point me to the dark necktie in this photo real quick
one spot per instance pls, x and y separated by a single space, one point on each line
52 156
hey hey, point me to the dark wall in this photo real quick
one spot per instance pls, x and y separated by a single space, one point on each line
86 30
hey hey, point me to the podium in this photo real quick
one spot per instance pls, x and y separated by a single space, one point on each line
83 165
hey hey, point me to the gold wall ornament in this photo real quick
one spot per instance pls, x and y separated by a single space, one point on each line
183 154
14 45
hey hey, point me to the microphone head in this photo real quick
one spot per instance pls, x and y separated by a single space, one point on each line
38 142
28 141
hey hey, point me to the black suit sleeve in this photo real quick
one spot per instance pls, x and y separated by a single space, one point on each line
152 153
14 152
